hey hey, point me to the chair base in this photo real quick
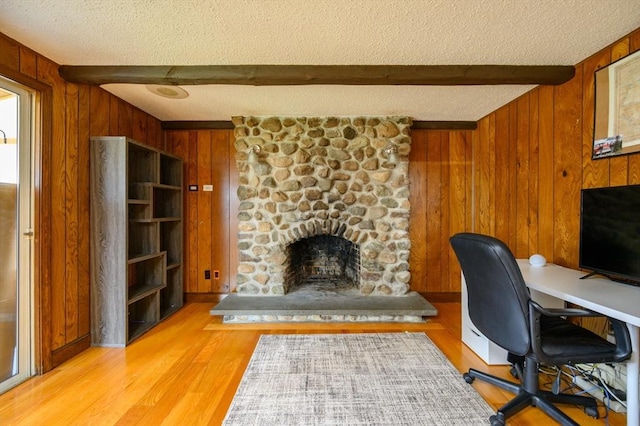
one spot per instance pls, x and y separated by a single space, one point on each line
529 394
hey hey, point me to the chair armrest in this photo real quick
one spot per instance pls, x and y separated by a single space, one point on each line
563 312
620 331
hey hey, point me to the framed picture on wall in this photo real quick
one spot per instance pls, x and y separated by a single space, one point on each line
616 129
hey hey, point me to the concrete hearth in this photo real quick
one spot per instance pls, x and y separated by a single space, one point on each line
324 303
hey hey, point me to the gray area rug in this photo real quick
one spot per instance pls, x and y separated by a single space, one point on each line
353 379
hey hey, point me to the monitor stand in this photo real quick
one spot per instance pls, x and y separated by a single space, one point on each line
612 278
591 274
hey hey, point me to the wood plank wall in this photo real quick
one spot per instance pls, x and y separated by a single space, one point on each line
76 112
210 217
440 174
533 156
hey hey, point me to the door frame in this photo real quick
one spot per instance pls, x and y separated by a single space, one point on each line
41 151
25 127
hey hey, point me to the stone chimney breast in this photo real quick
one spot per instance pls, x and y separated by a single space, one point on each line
323 176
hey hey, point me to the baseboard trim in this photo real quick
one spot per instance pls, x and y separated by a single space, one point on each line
204 297
70 350
441 297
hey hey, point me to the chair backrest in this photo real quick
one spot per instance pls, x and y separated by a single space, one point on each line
497 295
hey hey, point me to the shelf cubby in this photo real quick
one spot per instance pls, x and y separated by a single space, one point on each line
139 210
145 275
167 202
142 163
170 170
170 232
170 298
140 192
142 239
142 315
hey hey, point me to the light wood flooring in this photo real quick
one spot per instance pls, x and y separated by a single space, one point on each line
186 371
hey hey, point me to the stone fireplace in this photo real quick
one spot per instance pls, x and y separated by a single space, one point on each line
323 198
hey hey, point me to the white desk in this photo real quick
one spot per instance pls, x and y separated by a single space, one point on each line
615 300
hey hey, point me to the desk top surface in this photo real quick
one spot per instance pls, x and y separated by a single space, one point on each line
613 299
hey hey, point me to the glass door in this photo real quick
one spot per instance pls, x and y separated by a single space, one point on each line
16 234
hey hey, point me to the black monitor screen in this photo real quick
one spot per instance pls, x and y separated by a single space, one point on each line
610 231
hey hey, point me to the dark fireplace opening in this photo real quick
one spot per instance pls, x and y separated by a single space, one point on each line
323 261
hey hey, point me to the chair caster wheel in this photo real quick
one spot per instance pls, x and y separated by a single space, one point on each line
467 378
496 421
514 373
592 412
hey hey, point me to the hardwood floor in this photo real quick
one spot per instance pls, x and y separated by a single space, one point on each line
186 371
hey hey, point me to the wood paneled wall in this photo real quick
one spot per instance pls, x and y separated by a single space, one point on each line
70 114
533 156
440 173
210 216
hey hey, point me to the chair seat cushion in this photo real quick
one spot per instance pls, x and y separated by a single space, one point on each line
570 343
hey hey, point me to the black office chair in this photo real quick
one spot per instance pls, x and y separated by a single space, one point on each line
500 307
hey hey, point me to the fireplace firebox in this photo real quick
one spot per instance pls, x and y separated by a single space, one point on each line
324 259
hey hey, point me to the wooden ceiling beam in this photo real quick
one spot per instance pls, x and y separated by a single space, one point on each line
292 75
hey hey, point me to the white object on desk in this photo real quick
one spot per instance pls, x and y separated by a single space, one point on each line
537 260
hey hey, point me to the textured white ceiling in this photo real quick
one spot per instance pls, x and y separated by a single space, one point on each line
401 32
